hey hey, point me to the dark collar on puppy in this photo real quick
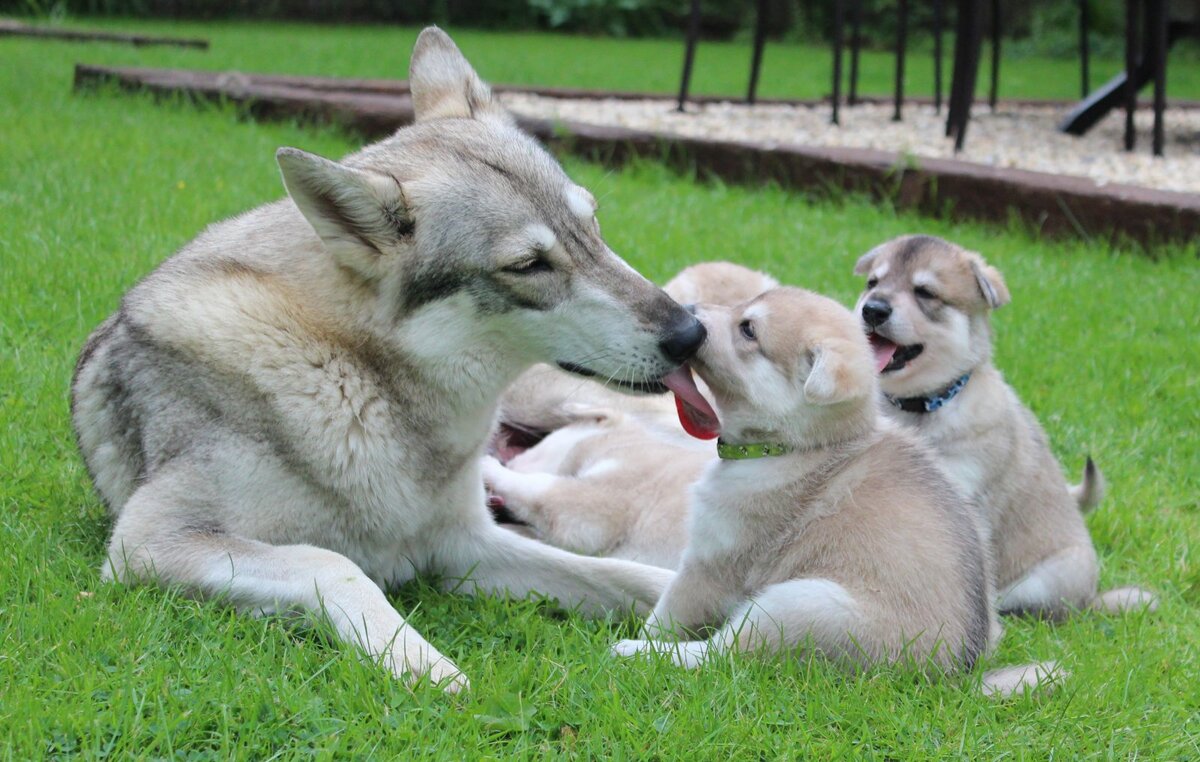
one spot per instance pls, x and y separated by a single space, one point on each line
931 402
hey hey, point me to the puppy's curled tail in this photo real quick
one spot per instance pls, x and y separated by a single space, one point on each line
1010 681
1089 492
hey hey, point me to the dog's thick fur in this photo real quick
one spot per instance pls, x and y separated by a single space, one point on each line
855 545
291 412
612 477
936 295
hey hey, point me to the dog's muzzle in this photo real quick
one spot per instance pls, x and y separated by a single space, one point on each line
684 339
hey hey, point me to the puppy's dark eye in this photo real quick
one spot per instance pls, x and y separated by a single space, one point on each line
529 267
747 330
924 293
872 282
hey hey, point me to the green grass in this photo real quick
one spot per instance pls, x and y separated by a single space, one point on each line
96 189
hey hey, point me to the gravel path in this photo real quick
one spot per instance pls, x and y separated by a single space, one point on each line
1014 136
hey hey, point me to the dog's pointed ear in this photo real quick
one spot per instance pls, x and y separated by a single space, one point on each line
991 283
863 265
358 214
443 84
834 377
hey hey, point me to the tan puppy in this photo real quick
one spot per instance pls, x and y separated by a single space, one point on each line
925 308
845 538
612 476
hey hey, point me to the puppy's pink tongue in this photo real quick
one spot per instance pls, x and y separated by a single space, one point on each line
695 414
884 350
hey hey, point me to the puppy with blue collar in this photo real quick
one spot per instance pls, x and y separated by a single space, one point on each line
925 310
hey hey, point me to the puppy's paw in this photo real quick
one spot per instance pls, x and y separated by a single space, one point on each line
493 471
632 648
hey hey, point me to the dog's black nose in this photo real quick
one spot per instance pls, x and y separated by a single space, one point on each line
683 341
875 312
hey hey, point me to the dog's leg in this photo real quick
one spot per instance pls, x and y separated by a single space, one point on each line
782 616
1054 586
487 558
567 512
149 545
694 600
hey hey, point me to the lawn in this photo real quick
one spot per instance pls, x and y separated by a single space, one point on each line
96 189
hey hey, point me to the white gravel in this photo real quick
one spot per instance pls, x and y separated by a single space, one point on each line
1014 136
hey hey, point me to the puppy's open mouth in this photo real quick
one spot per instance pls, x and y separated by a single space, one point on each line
512 438
646 387
890 356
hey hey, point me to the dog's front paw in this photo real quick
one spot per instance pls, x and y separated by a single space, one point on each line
427 663
447 676
632 648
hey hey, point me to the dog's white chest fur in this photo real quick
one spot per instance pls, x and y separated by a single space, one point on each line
718 523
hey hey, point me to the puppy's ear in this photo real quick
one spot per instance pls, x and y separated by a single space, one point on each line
834 377
357 214
863 265
443 84
991 283
682 288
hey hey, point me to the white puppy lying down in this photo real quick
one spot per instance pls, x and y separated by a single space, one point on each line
605 484
822 526
612 476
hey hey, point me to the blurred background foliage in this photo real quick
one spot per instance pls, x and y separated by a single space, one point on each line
1034 27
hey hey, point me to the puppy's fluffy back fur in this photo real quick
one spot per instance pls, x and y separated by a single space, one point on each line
854 543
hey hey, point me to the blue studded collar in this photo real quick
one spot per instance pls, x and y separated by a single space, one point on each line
933 401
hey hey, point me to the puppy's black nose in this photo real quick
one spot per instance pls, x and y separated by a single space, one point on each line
875 312
683 340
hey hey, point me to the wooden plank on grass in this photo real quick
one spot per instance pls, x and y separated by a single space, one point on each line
11 28
1053 204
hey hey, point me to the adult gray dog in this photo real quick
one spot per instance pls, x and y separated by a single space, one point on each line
290 412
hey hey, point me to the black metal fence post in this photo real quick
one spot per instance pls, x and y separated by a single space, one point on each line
760 39
901 44
838 20
855 47
689 53
967 44
938 21
1084 49
1159 17
995 88
1131 75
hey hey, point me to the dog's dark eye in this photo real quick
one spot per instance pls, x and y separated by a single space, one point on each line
872 282
529 267
747 330
924 293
